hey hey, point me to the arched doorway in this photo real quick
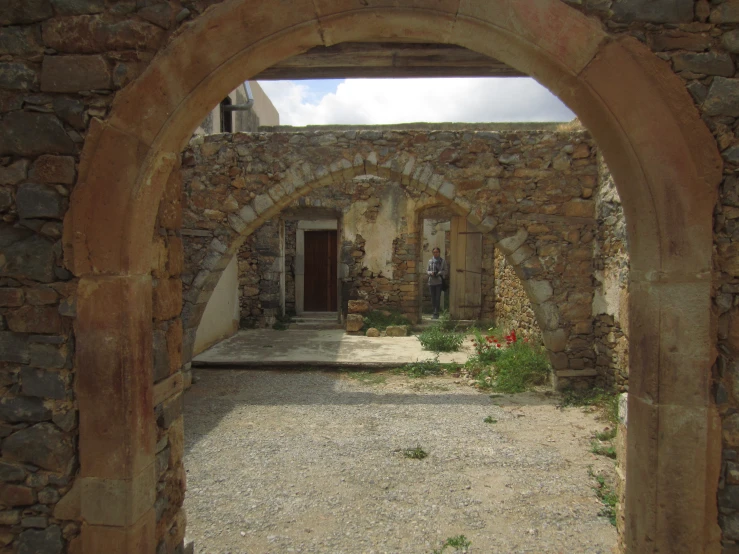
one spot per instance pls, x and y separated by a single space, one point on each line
663 158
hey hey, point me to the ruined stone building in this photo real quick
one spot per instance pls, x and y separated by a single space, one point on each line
98 102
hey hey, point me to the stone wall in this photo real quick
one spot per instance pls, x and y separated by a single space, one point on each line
63 63
610 303
513 309
169 378
536 184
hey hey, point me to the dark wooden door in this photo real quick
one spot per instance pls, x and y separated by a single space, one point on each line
320 271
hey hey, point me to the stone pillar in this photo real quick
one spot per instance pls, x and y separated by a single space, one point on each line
117 432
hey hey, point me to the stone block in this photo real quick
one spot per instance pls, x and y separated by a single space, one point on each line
16 495
78 7
33 134
11 473
42 445
725 12
358 306
53 170
167 299
723 97
10 517
22 409
14 348
654 11
169 411
17 76
43 384
41 541
11 297
372 332
89 34
174 345
555 341
40 201
580 208
161 356
354 323
396 331
708 63
14 173
75 73
42 296
35 319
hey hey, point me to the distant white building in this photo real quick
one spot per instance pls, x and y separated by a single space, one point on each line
245 109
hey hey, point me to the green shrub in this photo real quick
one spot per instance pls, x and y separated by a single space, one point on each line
520 366
437 339
382 319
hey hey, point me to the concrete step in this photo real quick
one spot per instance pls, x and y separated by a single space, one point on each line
316 321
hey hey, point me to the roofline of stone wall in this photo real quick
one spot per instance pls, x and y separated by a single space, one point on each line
571 126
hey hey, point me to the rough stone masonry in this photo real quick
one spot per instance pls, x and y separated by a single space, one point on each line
63 63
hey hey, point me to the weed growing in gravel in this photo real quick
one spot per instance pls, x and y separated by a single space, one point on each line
606 495
595 399
367 377
416 453
382 319
490 419
422 368
607 434
458 543
437 339
607 450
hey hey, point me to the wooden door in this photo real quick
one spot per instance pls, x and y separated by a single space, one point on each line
320 271
465 286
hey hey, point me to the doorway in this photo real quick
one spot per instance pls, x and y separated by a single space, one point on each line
465 273
320 271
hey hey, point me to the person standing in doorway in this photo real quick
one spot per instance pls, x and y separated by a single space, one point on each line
437 271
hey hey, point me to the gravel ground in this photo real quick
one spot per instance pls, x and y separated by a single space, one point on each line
313 462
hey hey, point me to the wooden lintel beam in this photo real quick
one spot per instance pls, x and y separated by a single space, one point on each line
373 60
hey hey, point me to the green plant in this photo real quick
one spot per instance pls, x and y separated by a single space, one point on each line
422 368
520 366
459 543
606 450
367 377
487 348
609 433
595 399
382 319
606 495
416 453
490 419
437 339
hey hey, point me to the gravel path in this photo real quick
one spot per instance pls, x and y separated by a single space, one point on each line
313 462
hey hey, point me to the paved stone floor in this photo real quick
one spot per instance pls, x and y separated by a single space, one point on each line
324 348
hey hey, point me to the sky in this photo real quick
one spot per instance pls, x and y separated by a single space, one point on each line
386 101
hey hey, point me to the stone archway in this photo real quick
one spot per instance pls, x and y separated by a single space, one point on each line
233 202
663 158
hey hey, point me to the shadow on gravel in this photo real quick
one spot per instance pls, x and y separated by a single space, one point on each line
218 392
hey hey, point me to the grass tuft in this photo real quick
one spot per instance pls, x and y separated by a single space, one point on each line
416 453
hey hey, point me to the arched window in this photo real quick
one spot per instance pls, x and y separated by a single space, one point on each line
226 116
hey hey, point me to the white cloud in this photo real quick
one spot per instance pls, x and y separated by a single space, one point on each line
384 101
